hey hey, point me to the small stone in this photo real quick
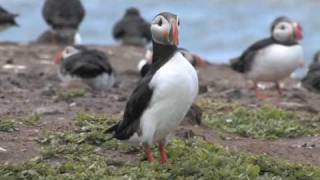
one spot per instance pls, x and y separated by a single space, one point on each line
3 149
73 104
49 110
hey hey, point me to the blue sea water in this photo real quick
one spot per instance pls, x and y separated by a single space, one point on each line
215 29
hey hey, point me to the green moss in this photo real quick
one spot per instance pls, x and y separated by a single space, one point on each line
261 122
72 93
190 159
7 124
30 120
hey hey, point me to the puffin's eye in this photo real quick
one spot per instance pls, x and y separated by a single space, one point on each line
160 22
178 22
283 27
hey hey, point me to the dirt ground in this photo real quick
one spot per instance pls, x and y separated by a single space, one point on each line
29 84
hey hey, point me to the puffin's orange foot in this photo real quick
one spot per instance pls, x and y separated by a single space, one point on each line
148 152
163 153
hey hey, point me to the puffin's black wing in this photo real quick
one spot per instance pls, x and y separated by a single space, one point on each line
137 104
7 17
244 62
63 13
312 80
87 64
145 69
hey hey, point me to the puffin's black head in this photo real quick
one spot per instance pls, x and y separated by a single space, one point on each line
165 29
69 51
285 30
316 57
132 11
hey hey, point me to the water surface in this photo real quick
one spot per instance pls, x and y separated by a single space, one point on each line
215 29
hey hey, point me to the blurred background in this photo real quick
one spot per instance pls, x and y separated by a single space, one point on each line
214 29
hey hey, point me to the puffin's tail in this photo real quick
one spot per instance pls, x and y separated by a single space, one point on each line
111 130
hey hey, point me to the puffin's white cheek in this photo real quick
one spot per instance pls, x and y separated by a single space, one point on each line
159 31
157 34
281 36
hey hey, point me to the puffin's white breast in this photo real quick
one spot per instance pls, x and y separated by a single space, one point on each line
175 86
276 62
101 82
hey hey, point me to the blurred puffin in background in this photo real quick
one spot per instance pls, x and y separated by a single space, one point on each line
64 18
7 19
145 64
132 29
274 58
312 80
163 96
90 66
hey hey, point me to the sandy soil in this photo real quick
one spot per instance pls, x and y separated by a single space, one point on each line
29 84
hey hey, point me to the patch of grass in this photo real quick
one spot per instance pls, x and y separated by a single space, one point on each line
92 127
262 122
30 120
190 159
70 94
74 155
7 125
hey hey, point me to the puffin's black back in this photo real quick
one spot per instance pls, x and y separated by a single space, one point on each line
132 25
87 64
63 13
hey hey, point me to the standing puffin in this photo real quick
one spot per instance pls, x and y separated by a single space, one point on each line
88 65
64 18
145 64
164 95
273 58
7 19
132 29
312 80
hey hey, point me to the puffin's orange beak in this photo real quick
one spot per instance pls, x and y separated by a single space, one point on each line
175 33
58 57
298 31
